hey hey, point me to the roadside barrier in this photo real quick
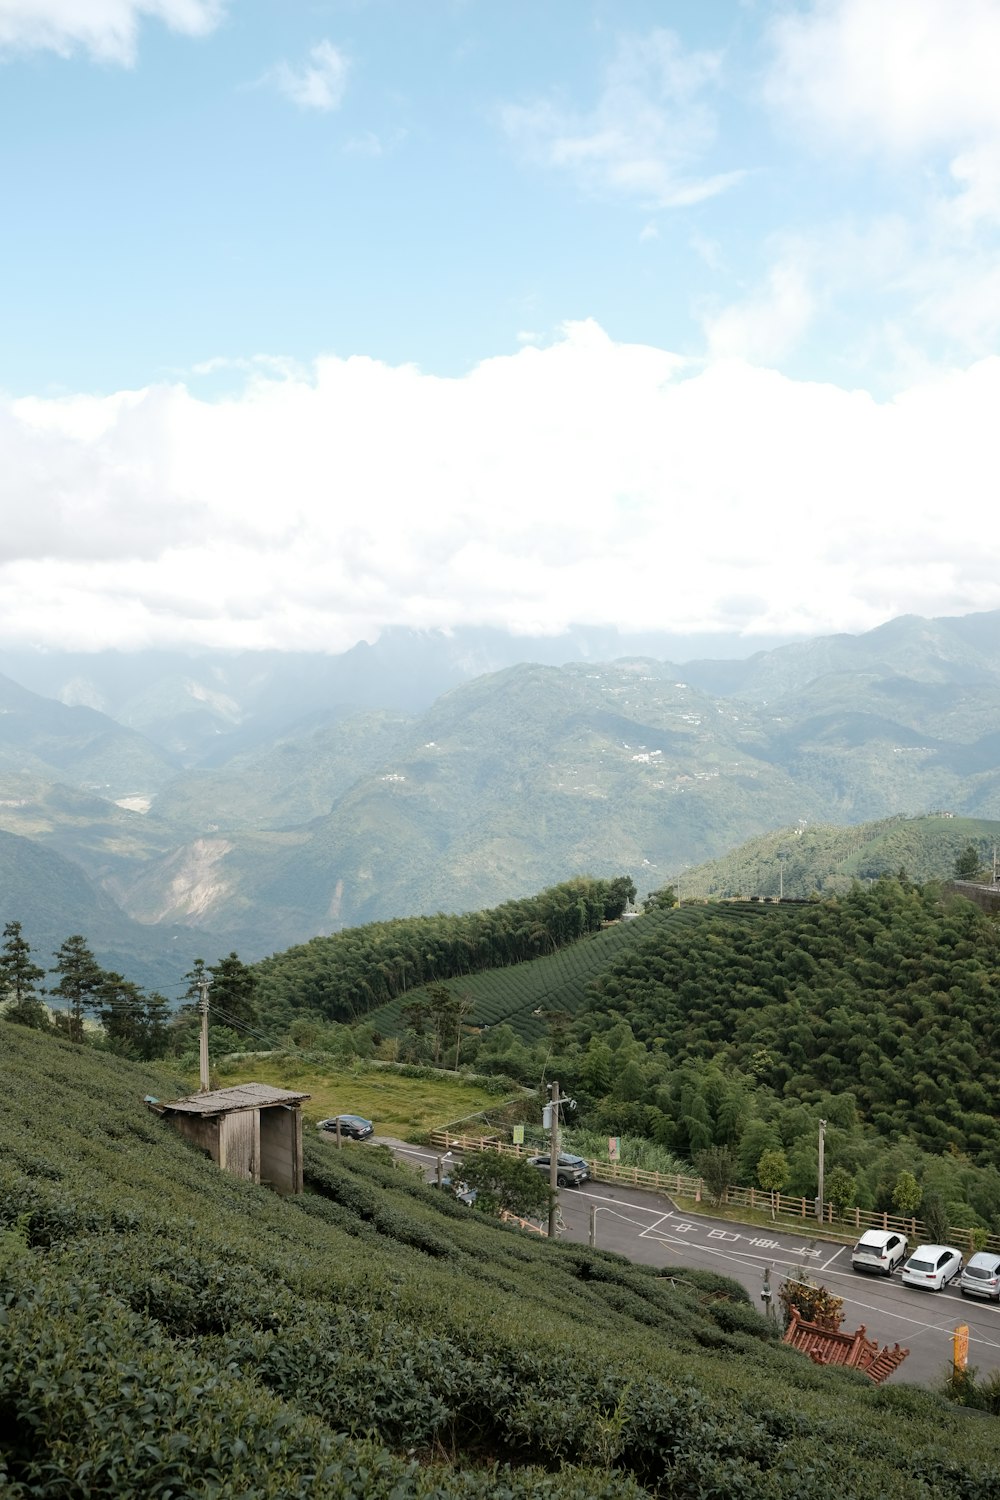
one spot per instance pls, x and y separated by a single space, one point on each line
852 1221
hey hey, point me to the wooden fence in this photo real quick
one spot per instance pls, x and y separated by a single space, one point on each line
852 1221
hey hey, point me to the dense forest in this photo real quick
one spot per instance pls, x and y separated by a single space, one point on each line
887 992
343 977
375 1338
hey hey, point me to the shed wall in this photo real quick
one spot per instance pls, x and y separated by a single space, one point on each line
239 1144
281 1149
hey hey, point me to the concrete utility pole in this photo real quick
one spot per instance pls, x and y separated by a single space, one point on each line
203 1044
822 1143
553 1161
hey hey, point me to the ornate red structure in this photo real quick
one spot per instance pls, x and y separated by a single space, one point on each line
828 1346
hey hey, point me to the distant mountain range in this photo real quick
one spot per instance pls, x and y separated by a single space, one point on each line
253 801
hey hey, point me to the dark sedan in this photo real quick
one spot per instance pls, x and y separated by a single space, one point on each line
356 1127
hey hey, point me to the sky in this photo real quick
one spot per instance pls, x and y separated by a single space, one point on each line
320 316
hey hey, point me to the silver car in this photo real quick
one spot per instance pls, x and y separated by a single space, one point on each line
981 1277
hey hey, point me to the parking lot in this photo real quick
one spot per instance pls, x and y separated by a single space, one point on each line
648 1229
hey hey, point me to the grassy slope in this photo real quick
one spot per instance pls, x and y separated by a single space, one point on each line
170 1330
399 1105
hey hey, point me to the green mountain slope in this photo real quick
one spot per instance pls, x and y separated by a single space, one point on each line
168 1330
507 783
79 745
884 994
53 899
826 858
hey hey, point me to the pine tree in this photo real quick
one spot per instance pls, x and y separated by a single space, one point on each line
19 976
80 980
231 998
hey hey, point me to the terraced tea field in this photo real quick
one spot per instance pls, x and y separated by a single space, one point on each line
525 996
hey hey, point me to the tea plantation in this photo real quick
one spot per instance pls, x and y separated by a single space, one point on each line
168 1331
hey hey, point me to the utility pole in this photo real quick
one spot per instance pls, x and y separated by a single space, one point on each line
822 1143
553 1161
203 1045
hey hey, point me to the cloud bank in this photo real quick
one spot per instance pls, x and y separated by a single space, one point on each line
106 29
586 481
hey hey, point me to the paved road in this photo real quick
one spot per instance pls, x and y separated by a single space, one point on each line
649 1229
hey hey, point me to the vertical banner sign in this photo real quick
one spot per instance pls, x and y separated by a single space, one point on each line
614 1147
961 1346
518 1135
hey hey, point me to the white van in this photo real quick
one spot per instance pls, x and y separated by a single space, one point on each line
880 1250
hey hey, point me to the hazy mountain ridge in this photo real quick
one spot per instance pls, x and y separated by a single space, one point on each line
53 899
506 783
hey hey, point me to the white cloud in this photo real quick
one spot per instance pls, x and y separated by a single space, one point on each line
107 29
587 481
769 323
896 75
319 83
907 79
646 134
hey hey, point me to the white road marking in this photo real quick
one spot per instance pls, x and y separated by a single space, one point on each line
833 1257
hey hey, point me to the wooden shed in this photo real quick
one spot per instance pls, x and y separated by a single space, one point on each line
251 1130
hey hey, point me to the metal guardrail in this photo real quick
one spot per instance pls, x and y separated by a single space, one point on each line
679 1185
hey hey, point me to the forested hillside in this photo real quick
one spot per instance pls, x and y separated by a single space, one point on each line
167 1330
827 859
343 977
887 992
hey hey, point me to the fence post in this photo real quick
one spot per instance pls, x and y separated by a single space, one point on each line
857 1218
803 1208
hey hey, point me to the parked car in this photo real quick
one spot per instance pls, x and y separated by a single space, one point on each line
880 1250
981 1277
932 1267
356 1127
460 1190
570 1170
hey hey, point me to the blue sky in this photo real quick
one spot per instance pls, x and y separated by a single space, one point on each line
665 315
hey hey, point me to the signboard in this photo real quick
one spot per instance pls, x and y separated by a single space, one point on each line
961 1346
614 1147
518 1135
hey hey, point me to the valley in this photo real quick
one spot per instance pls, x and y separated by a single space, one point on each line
257 802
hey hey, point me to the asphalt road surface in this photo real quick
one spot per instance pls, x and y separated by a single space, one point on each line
649 1229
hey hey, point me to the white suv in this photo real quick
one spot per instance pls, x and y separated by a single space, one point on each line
880 1250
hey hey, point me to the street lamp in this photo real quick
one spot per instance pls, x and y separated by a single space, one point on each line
596 1209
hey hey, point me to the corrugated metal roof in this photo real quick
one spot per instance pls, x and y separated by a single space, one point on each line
240 1096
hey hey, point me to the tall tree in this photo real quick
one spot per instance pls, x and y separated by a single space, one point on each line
232 996
80 979
134 1023
967 864
19 976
